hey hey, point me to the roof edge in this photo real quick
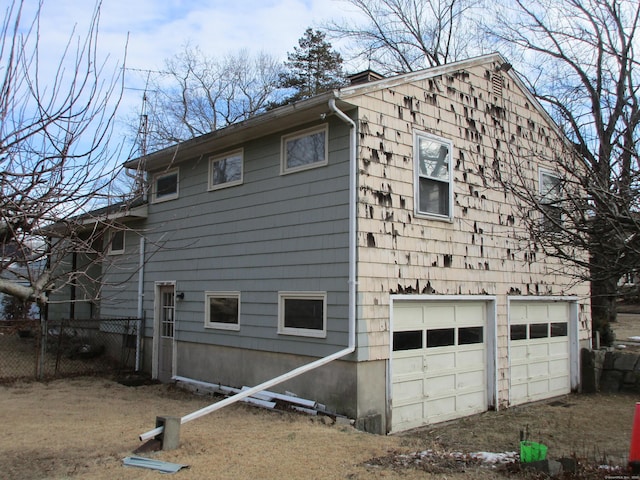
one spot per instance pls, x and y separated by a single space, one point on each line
350 91
253 122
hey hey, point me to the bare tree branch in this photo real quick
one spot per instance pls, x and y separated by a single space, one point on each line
399 36
55 161
579 55
196 94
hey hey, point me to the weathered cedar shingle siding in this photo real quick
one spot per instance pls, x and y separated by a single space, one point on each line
479 252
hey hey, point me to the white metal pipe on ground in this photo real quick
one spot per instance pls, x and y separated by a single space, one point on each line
353 172
250 391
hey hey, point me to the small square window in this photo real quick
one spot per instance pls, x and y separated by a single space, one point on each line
116 242
434 177
225 170
302 313
222 310
303 150
165 186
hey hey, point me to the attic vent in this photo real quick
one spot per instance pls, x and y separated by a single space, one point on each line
497 81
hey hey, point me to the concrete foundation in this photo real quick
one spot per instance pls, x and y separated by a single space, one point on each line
354 389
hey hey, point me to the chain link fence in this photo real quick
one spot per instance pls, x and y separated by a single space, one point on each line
39 349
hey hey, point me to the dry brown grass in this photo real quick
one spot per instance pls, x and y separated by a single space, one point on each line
84 427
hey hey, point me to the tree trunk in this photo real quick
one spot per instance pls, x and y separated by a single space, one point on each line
603 308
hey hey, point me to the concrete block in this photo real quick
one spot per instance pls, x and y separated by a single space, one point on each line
569 465
598 358
170 435
343 421
611 381
552 468
609 360
370 424
631 382
625 361
591 370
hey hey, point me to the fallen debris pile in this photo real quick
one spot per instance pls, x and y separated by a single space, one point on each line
442 462
264 399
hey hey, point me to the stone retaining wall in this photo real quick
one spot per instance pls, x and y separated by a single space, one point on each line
610 371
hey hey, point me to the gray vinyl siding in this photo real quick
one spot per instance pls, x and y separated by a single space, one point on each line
272 233
119 295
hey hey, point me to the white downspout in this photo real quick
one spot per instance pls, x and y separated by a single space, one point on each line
140 303
353 171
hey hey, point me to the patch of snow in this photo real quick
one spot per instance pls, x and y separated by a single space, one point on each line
493 458
634 339
483 457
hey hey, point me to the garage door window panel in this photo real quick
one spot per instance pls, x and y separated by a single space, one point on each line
409 340
559 329
538 330
440 337
470 335
518 332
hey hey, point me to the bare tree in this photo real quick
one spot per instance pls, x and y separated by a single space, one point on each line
196 94
579 55
398 36
55 162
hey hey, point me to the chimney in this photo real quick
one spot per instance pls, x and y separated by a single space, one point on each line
364 77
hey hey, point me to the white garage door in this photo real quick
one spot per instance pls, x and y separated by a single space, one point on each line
539 353
439 362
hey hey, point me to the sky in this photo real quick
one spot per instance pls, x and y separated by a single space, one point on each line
154 30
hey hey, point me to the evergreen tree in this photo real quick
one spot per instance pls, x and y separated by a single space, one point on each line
313 67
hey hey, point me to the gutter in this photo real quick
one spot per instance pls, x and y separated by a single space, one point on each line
353 172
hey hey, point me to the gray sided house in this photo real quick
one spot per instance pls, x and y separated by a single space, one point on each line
364 227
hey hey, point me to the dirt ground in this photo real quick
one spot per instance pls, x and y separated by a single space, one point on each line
85 427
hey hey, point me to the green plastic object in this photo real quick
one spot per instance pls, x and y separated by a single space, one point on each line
532 452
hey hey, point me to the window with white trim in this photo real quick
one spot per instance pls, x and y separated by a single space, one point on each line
550 201
165 186
302 313
116 242
222 310
304 150
225 170
433 176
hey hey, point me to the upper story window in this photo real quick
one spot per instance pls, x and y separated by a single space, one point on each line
302 313
222 310
165 186
116 242
433 176
305 149
550 200
225 170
